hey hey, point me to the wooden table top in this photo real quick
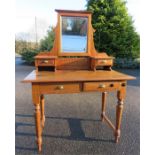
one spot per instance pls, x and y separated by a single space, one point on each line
75 76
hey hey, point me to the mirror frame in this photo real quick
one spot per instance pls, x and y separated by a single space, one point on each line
57 46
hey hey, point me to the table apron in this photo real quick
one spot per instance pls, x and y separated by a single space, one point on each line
76 87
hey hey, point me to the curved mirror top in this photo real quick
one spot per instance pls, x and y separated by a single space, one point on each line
74 34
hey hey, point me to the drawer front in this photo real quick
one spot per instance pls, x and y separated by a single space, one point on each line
45 62
102 86
104 62
60 88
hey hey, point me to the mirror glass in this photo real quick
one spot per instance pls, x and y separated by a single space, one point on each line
74 34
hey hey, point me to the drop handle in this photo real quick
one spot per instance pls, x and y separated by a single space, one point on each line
101 86
61 87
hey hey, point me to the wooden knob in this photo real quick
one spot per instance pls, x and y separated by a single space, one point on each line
61 87
123 84
45 61
111 85
101 86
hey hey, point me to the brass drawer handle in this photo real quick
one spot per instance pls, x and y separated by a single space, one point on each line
45 61
104 61
101 86
61 87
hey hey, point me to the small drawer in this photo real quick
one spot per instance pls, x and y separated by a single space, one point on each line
104 62
101 86
60 88
45 62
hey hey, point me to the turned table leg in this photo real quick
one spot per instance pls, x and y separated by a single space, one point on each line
36 97
38 126
42 102
104 96
119 111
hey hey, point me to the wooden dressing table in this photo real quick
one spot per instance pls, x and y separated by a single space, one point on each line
61 71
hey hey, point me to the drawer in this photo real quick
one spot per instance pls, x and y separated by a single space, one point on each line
101 86
45 62
104 62
59 88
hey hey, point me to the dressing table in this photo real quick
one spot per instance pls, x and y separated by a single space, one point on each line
74 66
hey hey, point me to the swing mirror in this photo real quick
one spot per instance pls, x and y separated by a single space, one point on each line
74 34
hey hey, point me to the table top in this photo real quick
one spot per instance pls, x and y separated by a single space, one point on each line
75 76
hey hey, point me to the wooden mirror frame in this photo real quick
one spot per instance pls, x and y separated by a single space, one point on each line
57 46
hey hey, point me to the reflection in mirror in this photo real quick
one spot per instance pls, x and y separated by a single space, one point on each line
74 34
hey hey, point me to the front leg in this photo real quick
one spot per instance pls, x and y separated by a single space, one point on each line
42 102
38 126
119 110
36 100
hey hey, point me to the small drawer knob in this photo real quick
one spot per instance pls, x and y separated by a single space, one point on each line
123 84
111 85
61 87
101 86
